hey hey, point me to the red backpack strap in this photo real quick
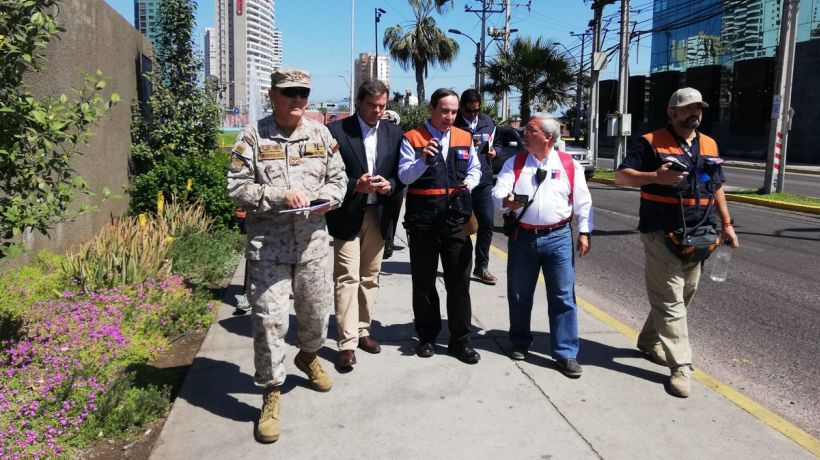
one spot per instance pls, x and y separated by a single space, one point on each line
518 165
569 167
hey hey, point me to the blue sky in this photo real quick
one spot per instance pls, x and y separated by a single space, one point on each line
316 36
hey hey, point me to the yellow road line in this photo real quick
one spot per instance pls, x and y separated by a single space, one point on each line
763 414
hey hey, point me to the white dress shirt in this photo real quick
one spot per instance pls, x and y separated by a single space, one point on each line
412 167
551 204
369 137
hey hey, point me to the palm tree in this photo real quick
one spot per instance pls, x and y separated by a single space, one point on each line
537 70
421 43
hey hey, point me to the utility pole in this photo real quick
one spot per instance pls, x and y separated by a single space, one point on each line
352 55
486 7
624 119
597 62
781 105
505 113
576 127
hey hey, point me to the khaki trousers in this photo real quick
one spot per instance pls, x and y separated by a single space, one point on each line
670 286
356 267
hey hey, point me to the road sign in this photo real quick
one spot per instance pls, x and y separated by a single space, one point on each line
236 110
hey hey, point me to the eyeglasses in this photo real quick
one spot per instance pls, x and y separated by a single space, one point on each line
472 111
293 92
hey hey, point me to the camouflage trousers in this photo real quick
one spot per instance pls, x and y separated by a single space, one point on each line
270 286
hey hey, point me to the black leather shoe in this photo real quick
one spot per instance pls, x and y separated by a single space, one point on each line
569 367
388 252
519 354
426 350
464 352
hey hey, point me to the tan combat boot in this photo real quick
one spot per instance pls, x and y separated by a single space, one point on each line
680 383
267 430
309 364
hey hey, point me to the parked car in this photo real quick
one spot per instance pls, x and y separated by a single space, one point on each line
582 155
512 142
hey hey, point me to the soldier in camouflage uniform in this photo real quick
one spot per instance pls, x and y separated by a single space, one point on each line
282 162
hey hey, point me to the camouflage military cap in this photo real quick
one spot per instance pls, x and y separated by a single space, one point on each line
290 78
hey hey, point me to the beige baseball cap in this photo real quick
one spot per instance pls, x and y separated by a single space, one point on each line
686 96
290 78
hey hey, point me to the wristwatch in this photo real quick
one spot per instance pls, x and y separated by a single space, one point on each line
587 234
728 223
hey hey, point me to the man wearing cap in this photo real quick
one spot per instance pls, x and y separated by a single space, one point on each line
282 162
437 161
370 150
678 171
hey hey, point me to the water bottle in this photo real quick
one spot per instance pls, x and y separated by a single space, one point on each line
720 266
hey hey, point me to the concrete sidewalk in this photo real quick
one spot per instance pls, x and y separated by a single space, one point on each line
395 405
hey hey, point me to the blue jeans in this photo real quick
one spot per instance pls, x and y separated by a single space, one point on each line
553 255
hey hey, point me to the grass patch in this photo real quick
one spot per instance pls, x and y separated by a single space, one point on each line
227 139
604 174
781 197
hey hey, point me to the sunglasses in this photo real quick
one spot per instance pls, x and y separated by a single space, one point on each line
472 111
293 92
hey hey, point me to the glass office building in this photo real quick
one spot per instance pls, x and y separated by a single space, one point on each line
693 33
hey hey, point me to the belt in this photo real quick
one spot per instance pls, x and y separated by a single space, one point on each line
430 191
542 229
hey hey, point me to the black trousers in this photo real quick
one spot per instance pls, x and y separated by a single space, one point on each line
455 250
483 210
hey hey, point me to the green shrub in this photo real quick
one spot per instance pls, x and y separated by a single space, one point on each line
128 405
207 259
22 287
128 251
207 175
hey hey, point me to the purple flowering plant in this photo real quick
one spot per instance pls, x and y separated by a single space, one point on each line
71 350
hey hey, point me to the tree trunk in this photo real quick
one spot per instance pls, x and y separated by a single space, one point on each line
420 84
524 107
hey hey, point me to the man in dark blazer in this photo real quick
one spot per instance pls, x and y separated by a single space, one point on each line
360 226
471 119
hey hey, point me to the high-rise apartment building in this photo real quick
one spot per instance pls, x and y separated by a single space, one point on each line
248 48
210 48
146 13
367 67
720 32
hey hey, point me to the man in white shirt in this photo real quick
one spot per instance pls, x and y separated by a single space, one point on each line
545 193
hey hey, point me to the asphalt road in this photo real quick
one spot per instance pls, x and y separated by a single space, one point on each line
758 331
746 178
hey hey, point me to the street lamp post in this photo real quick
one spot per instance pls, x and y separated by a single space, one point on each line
379 12
477 57
349 90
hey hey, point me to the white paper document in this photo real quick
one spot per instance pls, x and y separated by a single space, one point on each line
314 205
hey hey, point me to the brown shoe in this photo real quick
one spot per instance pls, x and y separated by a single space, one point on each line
369 345
346 359
485 276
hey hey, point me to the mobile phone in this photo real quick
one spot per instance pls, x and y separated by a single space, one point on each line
676 165
432 159
319 202
374 180
521 198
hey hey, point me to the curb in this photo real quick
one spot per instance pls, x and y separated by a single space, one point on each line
745 199
793 170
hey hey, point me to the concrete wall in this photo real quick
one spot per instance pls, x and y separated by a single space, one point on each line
95 37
